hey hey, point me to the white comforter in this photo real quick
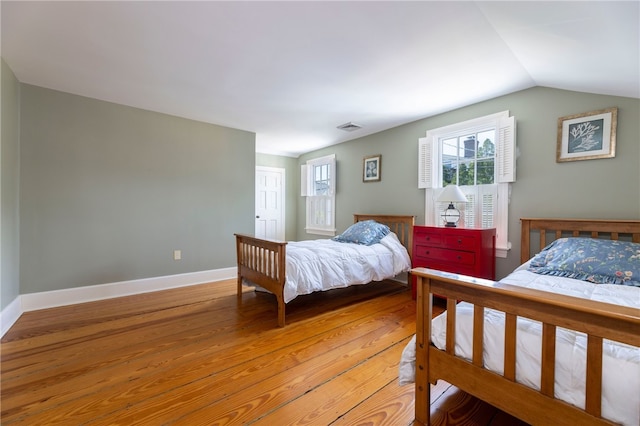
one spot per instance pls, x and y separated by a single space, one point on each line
319 265
621 363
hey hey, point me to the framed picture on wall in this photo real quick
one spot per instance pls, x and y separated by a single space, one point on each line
371 168
587 136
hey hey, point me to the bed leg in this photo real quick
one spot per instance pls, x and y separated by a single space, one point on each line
422 401
239 290
281 307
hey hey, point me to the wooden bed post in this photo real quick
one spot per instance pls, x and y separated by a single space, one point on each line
239 269
424 307
525 243
281 310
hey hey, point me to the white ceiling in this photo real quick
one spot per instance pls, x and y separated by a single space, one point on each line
292 71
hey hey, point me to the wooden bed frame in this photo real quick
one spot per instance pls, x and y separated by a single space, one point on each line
598 320
263 262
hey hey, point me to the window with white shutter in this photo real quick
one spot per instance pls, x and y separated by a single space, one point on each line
318 184
479 156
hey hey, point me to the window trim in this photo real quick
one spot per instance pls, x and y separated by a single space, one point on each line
430 170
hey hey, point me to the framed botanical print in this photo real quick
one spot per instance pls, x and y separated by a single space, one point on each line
371 168
587 136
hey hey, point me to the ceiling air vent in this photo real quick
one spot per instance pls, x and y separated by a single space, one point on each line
349 127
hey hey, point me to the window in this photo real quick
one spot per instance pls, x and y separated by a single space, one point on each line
479 156
318 184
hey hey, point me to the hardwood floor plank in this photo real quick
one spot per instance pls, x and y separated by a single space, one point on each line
296 370
455 407
340 393
181 357
151 336
392 405
193 355
59 346
68 317
183 321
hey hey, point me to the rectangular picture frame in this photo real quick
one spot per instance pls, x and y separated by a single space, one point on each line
587 136
372 168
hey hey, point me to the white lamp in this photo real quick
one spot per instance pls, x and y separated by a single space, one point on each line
451 194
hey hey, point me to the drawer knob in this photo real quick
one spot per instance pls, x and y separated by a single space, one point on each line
459 241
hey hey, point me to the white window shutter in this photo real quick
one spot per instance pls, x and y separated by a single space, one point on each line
431 214
488 205
501 222
333 178
488 208
470 207
506 150
425 163
480 208
304 180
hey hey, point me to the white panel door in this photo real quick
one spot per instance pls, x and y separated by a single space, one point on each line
269 203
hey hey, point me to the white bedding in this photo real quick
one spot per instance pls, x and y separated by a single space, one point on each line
319 265
621 363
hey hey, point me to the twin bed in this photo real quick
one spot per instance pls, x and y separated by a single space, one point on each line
555 342
375 248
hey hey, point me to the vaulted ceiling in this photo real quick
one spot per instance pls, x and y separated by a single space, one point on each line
293 71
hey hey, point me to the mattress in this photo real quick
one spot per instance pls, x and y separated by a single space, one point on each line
320 265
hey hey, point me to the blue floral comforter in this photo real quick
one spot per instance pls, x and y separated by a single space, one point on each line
592 260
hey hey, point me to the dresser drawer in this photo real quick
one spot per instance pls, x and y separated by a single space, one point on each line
430 239
461 242
428 255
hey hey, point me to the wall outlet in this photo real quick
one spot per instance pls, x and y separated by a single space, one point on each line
177 254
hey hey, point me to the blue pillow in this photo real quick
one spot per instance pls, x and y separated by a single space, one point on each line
592 260
367 232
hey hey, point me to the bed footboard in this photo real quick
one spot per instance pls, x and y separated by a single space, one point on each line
262 262
596 319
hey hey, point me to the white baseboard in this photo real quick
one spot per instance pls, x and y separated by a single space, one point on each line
402 278
10 315
72 296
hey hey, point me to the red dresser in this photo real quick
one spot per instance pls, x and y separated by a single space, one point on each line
466 251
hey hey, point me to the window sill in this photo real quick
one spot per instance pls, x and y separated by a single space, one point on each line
503 251
325 232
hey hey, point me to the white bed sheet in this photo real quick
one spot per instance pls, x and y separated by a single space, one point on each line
319 265
621 363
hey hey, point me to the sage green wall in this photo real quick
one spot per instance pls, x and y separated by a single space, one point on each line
10 219
605 188
292 187
108 192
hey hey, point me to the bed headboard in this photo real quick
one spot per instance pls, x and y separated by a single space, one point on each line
401 225
549 230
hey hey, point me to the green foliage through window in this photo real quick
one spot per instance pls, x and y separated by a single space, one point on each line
465 161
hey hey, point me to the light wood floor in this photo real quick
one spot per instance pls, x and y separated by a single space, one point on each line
193 356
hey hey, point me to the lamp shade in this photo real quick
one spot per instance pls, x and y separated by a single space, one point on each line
452 193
